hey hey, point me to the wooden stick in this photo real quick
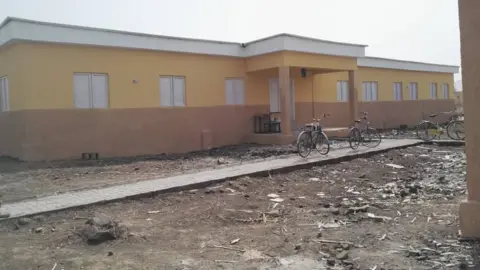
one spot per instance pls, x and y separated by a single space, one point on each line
332 242
54 266
229 248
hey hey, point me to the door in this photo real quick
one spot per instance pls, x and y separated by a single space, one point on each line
274 93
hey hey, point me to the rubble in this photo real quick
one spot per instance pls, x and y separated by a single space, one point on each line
102 228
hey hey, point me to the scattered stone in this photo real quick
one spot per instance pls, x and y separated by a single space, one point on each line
110 253
101 228
345 246
209 191
353 210
343 255
319 234
298 247
331 262
193 191
39 230
221 161
395 166
24 221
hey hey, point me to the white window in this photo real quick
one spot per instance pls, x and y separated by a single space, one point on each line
234 92
342 90
370 91
4 95
90 90
172 91
445 90
397 91
433 91
413 91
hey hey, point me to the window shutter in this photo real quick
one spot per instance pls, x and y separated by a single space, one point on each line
345 91
374 91
339 91
229 92
99 91
166 91
6 99
239 92
81 89
178 91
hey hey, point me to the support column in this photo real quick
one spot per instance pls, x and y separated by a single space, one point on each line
285 108
470 44
352 95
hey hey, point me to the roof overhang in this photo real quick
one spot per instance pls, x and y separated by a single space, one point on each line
14 29
374 62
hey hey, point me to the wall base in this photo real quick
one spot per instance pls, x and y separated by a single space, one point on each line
470 219
278 139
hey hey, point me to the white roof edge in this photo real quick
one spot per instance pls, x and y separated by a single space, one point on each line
18 29
378 62
306 38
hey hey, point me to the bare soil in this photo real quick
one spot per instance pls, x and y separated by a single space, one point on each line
27 180
362 214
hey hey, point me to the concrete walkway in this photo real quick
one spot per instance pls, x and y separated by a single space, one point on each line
194 180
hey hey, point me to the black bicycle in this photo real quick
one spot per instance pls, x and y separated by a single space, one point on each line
313 137
365 135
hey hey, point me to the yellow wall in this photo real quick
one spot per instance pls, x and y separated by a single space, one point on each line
326 84
51 67
11 65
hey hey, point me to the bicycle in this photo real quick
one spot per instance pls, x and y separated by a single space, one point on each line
313 137
455 128
367 136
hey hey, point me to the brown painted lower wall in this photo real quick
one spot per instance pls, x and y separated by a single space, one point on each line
64 134
383 114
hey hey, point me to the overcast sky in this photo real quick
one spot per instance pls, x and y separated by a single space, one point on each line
419 30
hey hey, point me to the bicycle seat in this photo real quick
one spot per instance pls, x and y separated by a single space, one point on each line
358 121
364 118
433 115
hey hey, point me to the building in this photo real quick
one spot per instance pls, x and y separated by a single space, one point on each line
470 42
68 90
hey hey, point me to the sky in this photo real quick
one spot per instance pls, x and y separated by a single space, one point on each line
417 30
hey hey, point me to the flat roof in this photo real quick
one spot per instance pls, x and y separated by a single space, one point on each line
17 29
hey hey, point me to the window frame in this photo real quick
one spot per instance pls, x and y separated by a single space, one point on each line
445 86
172 91
91 91
397 96
433 86
238 83
365 92
342 91
413 89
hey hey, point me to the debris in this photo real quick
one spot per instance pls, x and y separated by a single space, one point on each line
154 212
4 215
322 241
354 210
54 266
395 166
228 248
314 179
378 218
110 253
221 161
383 237
277 200
24 221
343 255
39 230
331 262
101 228
273 195
234 241
322 225
225 261
298 247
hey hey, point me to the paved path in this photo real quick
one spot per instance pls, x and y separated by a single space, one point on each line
87 197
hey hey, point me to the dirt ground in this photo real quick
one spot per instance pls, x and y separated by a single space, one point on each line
362 214
22 180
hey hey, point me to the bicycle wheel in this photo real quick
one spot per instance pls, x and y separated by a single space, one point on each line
322 144
304 144
427 131
354 137
456 130
371 137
